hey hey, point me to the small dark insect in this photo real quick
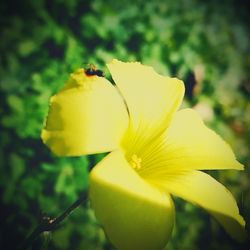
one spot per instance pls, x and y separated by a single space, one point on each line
93 71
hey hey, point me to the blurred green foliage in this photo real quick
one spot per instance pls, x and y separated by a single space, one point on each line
206 44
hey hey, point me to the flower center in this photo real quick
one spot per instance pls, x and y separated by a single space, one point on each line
135 162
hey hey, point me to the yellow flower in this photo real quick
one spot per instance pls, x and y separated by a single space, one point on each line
155 151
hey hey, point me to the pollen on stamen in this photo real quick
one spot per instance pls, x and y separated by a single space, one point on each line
135 162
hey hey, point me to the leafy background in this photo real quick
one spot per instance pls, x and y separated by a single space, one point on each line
205 43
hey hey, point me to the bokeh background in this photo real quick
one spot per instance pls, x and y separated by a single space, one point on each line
205 43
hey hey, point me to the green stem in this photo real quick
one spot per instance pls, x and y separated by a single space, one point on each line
47 224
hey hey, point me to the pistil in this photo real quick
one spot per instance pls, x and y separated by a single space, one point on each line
135 162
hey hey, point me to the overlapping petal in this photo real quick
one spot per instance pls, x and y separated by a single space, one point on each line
188 144
201 189
197 146
152 99
134 214
87 116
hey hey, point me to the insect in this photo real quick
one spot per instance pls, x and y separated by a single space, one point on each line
91 70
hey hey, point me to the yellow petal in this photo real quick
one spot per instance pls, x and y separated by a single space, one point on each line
151 98
87 116
201 189
134 214
201 147
188 144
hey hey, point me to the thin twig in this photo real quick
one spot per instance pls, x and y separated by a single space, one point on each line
49 224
